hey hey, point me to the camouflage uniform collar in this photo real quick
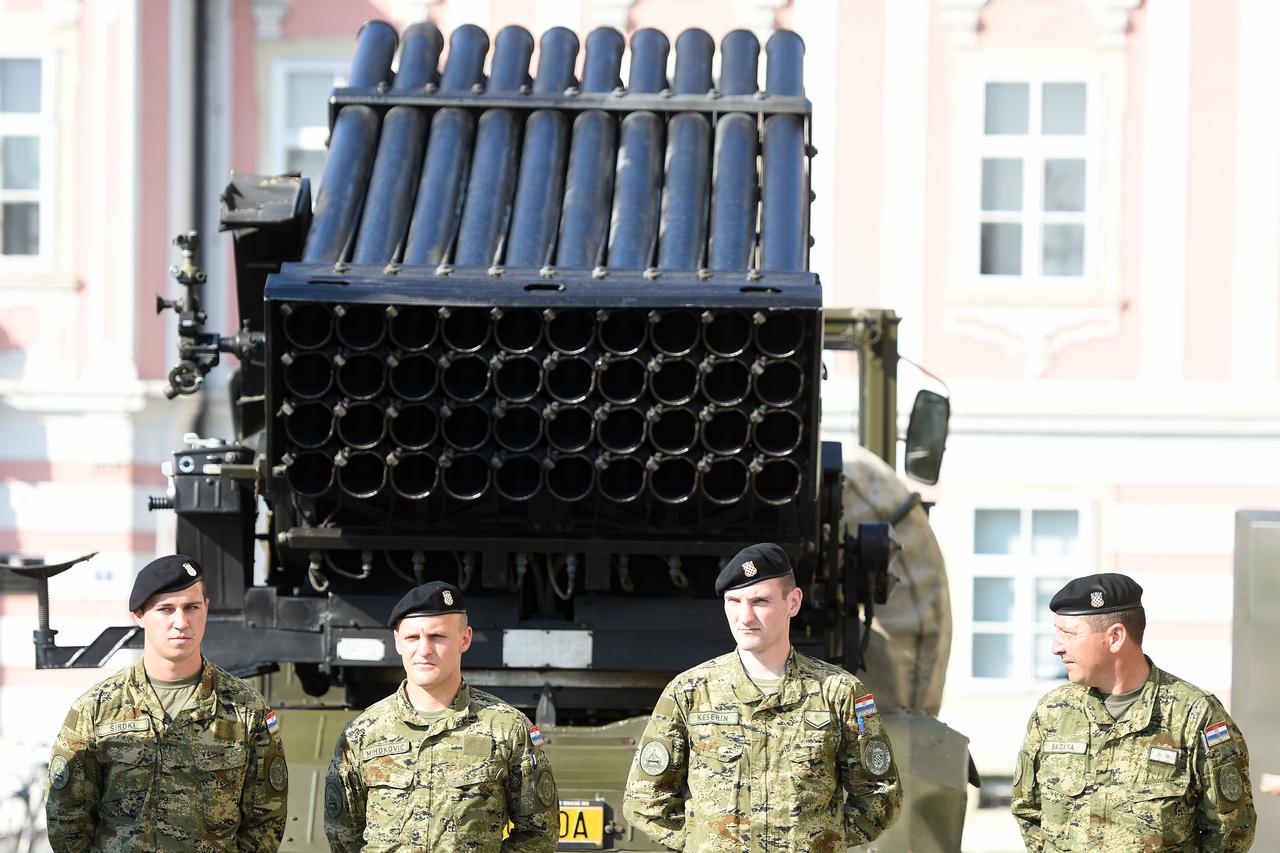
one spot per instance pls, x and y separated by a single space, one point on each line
1139 716
459 710
790 692
203 705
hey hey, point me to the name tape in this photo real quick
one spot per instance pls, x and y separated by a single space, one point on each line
717 718
392 748
1063 746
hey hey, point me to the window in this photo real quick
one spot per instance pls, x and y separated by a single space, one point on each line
1038 200
26 155
301 117
1021 557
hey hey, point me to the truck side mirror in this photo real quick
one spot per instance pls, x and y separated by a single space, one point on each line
927 436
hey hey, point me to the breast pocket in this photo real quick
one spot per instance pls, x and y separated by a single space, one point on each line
813 761
1162 810
714 768
479 798
1062 780
389 794
129 765
219 770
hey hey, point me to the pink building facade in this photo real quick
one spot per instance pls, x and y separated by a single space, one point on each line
1072 203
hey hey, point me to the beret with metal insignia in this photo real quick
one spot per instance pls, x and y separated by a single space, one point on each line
431 599
751 565
1102 593
164 574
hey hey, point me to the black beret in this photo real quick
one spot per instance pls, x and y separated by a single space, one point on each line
751 565
431 599
1104 593
164 574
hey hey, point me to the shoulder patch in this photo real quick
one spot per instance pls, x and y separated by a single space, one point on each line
655 758
273 722
535 736
877 757
59 772
864 705
1231 783
278 773
546 787
333 798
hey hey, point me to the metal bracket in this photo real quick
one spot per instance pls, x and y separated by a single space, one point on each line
49 655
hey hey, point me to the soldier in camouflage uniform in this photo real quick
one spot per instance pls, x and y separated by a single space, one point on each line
171 753
1127 757
763 749
439 766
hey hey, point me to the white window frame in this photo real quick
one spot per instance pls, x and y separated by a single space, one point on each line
43 125
1024 568
1103 72
280 136
1033 149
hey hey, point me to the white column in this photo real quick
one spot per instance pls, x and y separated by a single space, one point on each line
905 128
1163 305
111 191
1254 306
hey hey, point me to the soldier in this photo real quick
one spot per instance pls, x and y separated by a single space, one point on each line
437 765
171 753
763 748
1126 756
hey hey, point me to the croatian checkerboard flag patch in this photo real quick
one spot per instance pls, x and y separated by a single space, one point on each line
273 722
1216 733
865 705
535 736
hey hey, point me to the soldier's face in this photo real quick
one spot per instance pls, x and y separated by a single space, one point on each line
760 615
431 647
1085 652
173 622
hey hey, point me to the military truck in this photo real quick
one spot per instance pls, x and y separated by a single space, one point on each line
555 340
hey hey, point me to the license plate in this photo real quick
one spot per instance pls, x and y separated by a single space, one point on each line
581 825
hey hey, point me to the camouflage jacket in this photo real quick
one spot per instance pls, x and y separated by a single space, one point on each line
398 783
724 767
1172 774
122 779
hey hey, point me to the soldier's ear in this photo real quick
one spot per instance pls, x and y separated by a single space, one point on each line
794 599
467 634
137 617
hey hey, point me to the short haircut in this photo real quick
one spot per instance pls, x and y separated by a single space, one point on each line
788 582
1134 620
